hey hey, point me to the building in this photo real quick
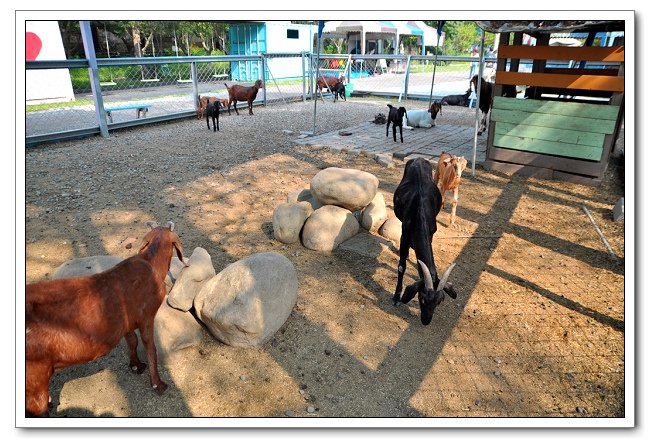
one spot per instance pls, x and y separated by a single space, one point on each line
274 37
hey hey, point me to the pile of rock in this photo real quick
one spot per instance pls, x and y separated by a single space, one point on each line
243 305
337 203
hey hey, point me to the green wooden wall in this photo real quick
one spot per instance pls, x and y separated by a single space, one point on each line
555 128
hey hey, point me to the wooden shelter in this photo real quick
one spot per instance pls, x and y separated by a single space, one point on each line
566 125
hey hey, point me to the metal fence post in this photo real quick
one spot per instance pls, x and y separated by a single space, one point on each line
406 76
263 77
195 83
93 73
303 57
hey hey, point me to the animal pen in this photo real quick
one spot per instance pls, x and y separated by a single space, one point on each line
566 126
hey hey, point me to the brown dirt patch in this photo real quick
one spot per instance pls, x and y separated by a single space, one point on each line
537 329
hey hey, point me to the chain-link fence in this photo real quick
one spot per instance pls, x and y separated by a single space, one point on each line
132 91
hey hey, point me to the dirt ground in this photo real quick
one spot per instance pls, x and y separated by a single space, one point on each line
537 329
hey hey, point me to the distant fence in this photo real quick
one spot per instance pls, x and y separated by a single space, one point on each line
113 93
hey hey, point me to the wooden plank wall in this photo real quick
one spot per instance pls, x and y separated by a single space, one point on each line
555 139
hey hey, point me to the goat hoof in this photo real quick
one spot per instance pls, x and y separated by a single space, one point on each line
138 368
160 388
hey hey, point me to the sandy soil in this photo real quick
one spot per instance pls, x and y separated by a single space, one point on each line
537 329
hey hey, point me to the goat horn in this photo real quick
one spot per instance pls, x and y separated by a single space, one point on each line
445 276
170 224
152 224
428 281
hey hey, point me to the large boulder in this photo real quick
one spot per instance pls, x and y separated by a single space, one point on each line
348 188
288 220
191 279
79 267
175 330
247 302
328 227
374 214
392 229
303 195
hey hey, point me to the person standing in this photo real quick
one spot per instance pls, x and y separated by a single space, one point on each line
491 67
473 68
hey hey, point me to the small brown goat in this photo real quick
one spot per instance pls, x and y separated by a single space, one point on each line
328 82
76 320
203 102
447 178
241 93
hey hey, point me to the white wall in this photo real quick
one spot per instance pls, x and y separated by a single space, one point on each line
46 86
277 42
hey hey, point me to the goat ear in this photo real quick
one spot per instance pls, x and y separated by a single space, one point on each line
145 243
179 252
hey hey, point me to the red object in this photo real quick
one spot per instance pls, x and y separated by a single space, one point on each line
33 45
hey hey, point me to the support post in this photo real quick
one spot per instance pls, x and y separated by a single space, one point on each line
93 72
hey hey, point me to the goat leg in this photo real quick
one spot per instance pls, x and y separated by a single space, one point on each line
401 267
146 332
136 365
454 203
37 379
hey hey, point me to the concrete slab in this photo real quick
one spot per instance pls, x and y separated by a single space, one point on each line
369 138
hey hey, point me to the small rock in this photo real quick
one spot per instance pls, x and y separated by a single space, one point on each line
581 410
497 373
311 409
288 413
242 377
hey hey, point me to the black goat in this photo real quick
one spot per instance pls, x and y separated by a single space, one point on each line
339 90
485 100
396 116
457 100
417 202
212 110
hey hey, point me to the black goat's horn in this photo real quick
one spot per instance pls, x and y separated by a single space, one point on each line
428 281
445 276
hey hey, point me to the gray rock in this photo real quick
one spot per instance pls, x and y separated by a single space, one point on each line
175 330
328 227
347 188
288 220
80 267
375 214
191 280
247 302
303 195
391 229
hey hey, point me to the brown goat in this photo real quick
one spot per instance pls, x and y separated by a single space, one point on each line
328 82
241 93
203 102
447 178
76 320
